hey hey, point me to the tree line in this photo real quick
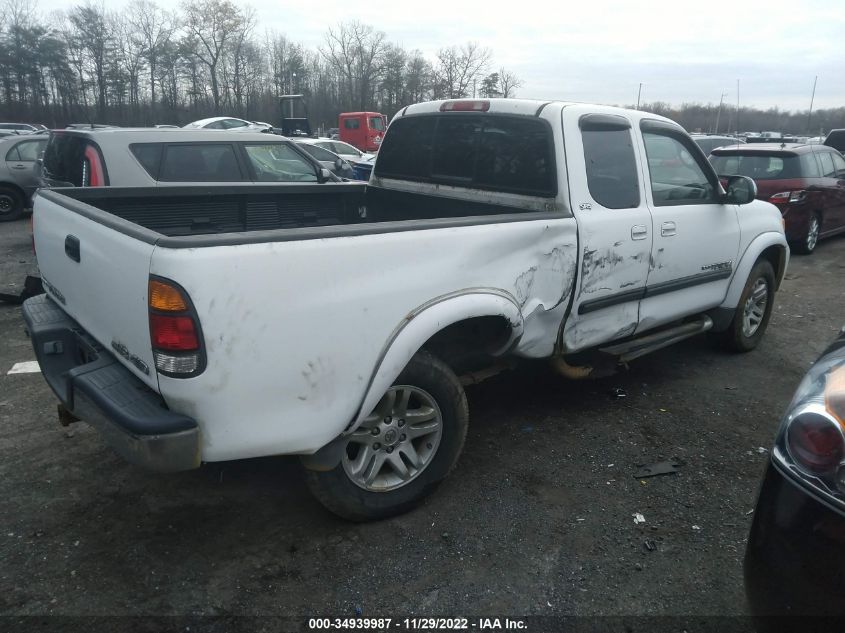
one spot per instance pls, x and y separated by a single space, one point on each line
148 65
711 119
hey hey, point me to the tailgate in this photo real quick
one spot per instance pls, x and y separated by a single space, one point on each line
98 275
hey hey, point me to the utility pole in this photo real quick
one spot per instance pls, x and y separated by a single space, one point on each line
812 98
639 92
719 113
737 106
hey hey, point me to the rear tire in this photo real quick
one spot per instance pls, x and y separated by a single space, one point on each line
811 236
754 309
402 450
11 204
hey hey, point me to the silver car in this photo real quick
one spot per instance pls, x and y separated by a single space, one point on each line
19 173
165 157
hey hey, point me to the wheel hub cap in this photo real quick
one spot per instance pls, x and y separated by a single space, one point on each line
755 307
396 442
813 234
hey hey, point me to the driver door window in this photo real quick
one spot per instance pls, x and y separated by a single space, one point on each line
676 178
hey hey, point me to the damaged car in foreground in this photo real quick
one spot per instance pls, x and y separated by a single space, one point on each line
795 560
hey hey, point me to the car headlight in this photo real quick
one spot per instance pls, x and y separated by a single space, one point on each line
811 442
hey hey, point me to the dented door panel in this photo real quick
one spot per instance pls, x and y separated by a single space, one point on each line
614 250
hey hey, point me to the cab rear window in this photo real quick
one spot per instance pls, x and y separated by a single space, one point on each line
501 153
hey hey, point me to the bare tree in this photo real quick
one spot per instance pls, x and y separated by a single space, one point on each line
242 57
508 83
154 28
95 41
356 53
212 24
457 68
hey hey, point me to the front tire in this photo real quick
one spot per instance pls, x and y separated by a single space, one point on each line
403 450
754 310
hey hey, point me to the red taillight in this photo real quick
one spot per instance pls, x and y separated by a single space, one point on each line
465 106
173 333
95 178
815 442
788 196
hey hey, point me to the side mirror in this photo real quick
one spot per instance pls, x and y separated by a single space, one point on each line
740 190
338 164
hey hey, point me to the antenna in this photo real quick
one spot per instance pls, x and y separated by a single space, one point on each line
812 98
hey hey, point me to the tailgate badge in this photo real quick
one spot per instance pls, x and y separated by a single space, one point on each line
121 349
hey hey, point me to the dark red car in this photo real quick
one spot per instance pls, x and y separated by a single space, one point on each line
806 182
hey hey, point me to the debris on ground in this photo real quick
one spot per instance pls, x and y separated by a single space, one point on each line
658 468
618 392
650 545
762 450
696 528
638 518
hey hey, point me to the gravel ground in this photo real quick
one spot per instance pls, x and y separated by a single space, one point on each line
537 518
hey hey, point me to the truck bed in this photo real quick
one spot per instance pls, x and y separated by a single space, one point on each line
207 211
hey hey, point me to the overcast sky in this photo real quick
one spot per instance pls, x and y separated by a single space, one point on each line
600 50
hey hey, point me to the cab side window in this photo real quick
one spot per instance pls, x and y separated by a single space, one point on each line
676 177
610 162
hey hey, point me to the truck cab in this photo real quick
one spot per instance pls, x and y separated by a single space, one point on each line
364 130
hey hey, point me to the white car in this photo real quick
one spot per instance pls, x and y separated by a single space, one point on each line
231 124
340 321
346 151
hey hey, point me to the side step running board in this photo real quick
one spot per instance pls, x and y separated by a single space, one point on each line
629 350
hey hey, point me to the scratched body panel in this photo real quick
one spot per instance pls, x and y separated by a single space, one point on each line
615 247
295 329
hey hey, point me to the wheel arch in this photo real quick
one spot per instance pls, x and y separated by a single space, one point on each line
770 246
427 324
15 187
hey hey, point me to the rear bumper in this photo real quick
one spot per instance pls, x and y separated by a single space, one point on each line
96 388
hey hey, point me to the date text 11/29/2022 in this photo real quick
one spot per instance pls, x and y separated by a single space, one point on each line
416 624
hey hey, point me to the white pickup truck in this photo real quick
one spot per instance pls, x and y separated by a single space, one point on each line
339 322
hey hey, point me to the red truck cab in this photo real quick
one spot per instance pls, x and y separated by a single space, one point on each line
364 130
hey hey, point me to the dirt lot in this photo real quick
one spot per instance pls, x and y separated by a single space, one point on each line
537 519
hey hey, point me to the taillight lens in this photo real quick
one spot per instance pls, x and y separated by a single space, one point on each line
175 334
92 174
815 442
788 197
465 106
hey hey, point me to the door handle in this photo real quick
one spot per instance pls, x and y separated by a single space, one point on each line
72 247
639 232
667 229
20 166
